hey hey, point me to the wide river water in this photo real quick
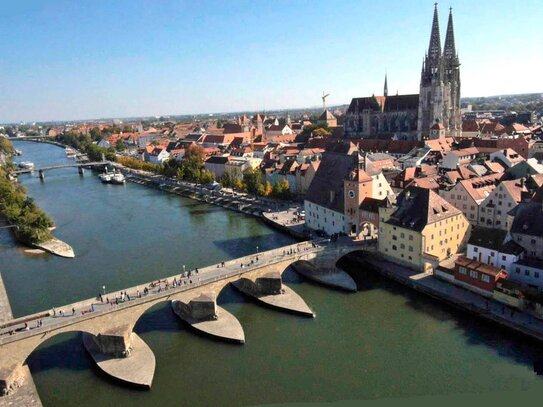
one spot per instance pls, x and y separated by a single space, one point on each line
384 341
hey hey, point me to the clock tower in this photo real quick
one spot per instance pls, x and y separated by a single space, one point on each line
357 187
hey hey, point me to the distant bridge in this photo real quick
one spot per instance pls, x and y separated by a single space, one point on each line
30 138
60 166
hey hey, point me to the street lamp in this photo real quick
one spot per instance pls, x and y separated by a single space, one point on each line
104 289
256 249
183 269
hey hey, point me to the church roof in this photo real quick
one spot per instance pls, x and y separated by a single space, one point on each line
401 102
384 103
327 115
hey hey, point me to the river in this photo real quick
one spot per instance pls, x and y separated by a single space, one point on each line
384 341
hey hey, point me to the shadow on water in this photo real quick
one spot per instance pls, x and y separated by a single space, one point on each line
206 210
229 295
159 317
291 277
64 351
476 330
244 246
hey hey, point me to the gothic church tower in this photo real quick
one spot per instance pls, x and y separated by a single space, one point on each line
439 98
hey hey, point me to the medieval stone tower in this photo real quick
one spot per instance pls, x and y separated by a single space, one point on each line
440 84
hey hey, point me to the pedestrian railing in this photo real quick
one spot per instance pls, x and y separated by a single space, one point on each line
198 280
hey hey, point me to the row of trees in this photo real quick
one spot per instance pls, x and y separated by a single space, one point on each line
191 168
31 223
253 182
85 144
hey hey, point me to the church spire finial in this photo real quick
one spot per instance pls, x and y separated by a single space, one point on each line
434 49
385 90
449 50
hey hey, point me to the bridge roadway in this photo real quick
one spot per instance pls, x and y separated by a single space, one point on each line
56 167
63 316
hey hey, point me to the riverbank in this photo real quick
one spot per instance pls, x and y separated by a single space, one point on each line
259 207
26 394
456 296
33 226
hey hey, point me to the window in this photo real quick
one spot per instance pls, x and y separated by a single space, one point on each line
504 258
473 274
402 235
410 237
527 272
394 237
410 248
533 241
394 247
476 249
402 246
485 278
536 274
463 270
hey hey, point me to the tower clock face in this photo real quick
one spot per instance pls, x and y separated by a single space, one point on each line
351 194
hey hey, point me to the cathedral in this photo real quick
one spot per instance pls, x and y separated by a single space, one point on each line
409 117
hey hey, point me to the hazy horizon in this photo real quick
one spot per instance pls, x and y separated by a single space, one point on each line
86 61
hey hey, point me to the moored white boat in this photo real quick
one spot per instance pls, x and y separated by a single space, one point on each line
118 178
27 165
105 177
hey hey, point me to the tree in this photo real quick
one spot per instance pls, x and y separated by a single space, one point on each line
205 177
252 178
321 132
239 185
281 190
119 145
96 134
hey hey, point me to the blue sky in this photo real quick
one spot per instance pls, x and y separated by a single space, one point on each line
78 59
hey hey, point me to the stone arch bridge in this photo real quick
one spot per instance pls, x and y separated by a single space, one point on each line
20 337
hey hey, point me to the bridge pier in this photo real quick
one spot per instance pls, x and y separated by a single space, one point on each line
42 175
11 378
204 315
270 290
123 355
80 170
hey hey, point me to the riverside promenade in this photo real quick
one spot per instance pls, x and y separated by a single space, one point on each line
236 201
460 297
27 394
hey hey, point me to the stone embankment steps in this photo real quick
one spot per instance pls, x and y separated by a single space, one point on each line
27 394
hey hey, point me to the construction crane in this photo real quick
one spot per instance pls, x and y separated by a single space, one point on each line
323 97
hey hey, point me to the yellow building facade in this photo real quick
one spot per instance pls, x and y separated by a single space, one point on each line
421 230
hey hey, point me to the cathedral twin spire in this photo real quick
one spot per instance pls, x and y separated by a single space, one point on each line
435 59
439 97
